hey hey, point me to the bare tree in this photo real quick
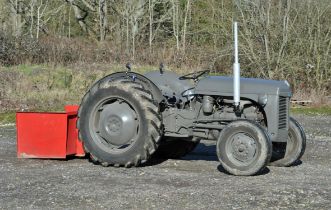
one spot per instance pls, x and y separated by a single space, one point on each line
40 13
176 22
155 23
103 19
137 8
151 22
187 9
80 14
133 13
45 10
180 22
32 5
16 8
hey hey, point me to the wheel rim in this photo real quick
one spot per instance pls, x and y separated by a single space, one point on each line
114 125
241 149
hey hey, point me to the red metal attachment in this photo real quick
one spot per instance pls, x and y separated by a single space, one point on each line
48 134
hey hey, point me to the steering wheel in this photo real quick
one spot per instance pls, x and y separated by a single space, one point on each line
194 75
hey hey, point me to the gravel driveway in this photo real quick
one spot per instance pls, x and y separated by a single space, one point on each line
195 182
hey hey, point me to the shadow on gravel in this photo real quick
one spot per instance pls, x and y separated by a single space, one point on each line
201 152
261 173
153 161
72 157
196 156
68 158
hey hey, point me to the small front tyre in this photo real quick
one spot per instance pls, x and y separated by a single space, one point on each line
244 148
287 153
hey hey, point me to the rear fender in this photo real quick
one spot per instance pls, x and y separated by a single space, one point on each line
136 77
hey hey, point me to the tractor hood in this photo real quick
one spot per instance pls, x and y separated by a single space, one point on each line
219 85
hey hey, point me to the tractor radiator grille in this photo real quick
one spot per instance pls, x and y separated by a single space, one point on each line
283 112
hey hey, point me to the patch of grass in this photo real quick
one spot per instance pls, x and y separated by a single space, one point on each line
29 69
323 110
8 117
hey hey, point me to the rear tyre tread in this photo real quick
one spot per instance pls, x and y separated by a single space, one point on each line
151 113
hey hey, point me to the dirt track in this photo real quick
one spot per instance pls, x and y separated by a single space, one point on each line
196 182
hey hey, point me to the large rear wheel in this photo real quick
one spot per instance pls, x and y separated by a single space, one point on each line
119 123
287 153
244 148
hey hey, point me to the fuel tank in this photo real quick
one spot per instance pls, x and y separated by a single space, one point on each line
170 85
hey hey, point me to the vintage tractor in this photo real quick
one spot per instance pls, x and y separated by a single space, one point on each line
126 117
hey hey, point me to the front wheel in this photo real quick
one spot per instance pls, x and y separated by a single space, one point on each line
287 153
244 148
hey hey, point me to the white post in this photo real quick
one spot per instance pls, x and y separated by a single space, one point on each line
236 68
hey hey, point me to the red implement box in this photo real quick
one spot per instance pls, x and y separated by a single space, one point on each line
48 134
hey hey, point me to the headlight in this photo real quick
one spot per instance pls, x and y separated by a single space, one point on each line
289 86
263 99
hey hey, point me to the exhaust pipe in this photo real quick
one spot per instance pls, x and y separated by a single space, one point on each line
236 72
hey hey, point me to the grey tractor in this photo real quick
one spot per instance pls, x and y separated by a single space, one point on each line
126 117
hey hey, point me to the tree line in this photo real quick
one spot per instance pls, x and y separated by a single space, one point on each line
279 39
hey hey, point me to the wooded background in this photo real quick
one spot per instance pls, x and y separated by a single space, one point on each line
279 39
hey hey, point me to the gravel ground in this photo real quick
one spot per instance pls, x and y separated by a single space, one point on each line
195 182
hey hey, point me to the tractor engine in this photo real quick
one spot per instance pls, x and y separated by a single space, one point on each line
205 116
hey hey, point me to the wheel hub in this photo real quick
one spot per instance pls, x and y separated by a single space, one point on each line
114 125
243 148
118 123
